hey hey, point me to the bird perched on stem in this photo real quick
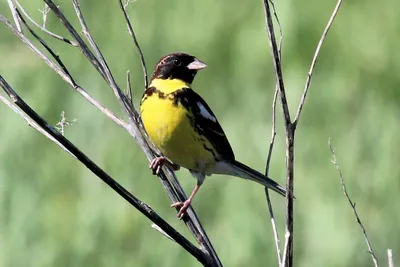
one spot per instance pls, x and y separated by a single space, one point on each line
183 127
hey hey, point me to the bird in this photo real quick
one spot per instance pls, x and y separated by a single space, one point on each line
185 130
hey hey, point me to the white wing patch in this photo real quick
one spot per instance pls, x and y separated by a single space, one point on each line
205 113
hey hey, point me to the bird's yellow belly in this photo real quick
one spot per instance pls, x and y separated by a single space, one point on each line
170 129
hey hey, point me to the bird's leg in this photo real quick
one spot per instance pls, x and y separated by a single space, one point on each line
185 205
157 163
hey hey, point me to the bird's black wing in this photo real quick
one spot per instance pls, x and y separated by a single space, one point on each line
205 122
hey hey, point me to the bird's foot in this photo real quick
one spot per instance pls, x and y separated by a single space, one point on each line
183 207
157 163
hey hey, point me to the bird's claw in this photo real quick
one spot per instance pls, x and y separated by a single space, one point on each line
183 207
157 163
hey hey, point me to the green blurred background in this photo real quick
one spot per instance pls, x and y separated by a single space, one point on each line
54 212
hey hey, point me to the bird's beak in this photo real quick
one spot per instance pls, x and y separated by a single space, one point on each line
196 65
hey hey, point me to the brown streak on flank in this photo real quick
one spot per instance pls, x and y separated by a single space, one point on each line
210 150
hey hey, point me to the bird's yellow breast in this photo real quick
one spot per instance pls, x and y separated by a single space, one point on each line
168 125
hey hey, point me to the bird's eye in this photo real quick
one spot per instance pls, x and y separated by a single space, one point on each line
177 62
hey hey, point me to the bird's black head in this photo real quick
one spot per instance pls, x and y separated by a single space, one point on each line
178 66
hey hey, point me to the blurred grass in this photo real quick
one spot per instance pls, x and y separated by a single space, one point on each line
54 212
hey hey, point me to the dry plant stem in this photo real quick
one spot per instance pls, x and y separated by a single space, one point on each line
314 61
271 146
100 58
13 10
390 258
290 127
287 259
171 185
61 70
45 11
280 32
285 248
81 44
352 204
30 114
58 37
273 132
128 86
277 63
135 41
274 229
270 209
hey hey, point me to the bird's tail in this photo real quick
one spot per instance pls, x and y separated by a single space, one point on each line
235 168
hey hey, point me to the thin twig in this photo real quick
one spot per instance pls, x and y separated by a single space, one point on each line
132 33
128 86
273 132
271 147
43 28
274 228
289 126
352 204
99 62
280 32
45 11
390 257
13 10
270 209
314 61
287 258
100 58
128 2
285 248
277 63
30 114
81 44
60 70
